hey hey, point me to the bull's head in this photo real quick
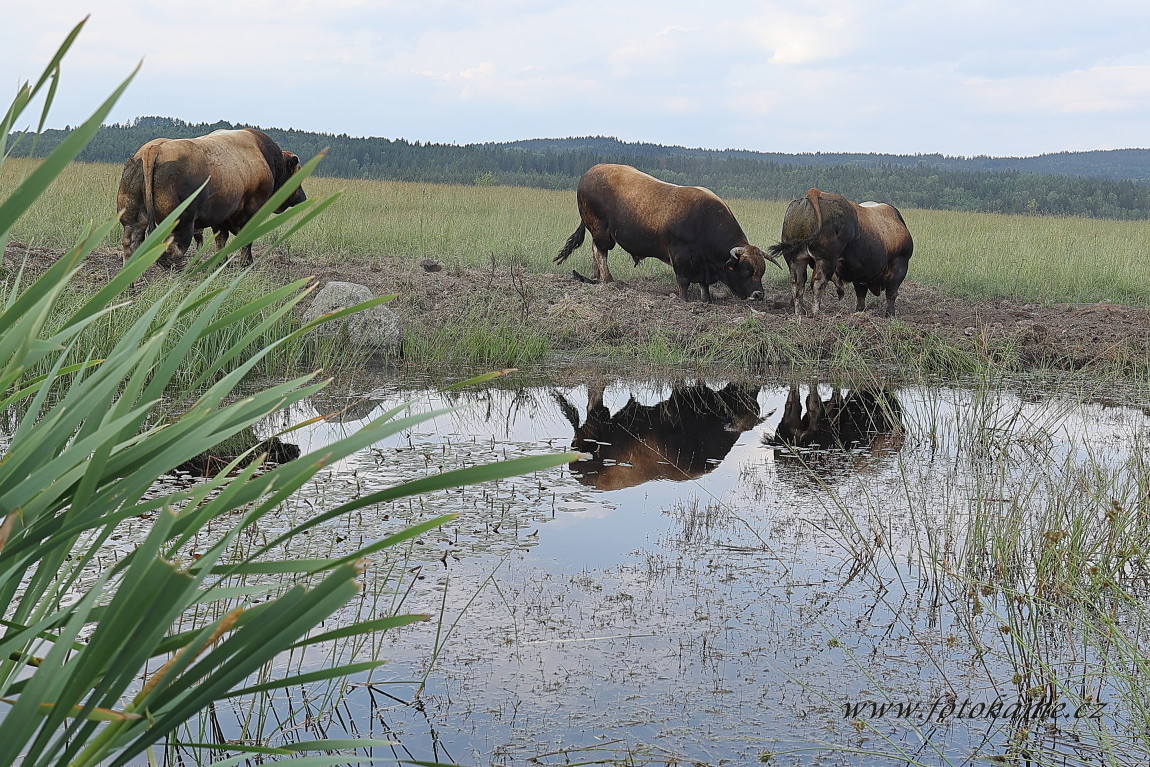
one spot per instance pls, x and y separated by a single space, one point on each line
746 267
291 162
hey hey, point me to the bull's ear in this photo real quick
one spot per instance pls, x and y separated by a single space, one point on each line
733 262
291 161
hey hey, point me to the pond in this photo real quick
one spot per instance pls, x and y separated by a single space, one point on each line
740 572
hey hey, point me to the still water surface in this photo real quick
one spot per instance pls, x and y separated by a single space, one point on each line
737 572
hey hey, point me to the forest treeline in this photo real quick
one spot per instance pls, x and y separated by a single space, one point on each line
1112 184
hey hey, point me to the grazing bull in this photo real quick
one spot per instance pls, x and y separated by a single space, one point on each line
683 437
243 169
866 244
688 227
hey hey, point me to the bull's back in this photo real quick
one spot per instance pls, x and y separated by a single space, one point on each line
644 214
239 153
229 161
886 226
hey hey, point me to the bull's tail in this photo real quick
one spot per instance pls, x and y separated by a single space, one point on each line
813 199
574 241
149 163
789 250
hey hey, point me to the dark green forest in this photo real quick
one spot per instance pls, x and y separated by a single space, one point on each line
1101 184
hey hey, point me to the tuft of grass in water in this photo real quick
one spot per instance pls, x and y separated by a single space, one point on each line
491 346
480 340
1034 548
752 344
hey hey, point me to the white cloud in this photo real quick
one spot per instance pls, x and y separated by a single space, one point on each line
795 39
977 77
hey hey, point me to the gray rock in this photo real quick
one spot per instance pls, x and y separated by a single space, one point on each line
378 327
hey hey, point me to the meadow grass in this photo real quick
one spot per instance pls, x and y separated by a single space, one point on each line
972 255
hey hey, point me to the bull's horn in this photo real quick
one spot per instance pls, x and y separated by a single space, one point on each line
740 251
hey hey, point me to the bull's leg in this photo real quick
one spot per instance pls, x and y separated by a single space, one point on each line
860 297
599 270
133 237
840 285
177 251
792 422
705 283
898 272
891 295
221 239
684 287
681 264
813 419
819 282
798 269
596 410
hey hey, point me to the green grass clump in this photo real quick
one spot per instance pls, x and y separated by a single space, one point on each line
501 345
212 355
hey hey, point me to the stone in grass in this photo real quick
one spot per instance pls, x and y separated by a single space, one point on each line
378 328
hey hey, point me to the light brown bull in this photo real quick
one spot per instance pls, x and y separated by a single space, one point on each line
688 227
242 168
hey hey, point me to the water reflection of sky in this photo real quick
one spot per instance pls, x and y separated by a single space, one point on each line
710 619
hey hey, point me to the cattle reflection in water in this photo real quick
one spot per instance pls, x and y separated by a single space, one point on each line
683 437
836 432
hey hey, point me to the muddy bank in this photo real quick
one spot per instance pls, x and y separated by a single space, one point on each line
626 315
631 311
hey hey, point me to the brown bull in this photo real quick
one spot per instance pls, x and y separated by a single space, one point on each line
242 168
688 227
868 245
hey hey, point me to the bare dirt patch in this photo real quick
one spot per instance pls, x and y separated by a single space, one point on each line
631 311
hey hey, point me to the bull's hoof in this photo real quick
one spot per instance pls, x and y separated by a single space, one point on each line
581 278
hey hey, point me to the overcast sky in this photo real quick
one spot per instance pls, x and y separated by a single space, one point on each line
1001 77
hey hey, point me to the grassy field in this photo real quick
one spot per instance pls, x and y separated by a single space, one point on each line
971 255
